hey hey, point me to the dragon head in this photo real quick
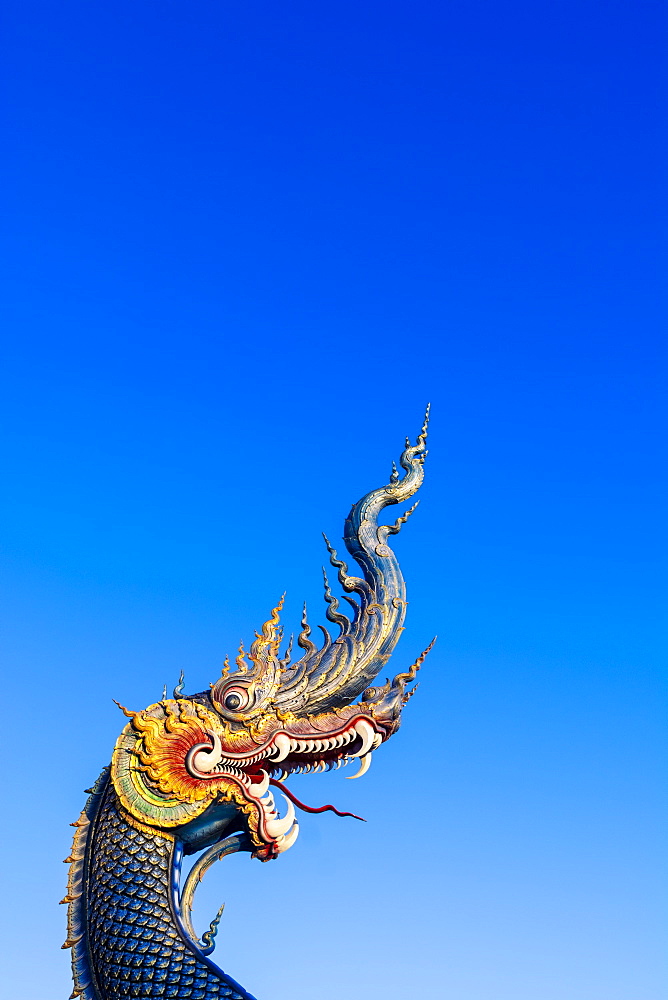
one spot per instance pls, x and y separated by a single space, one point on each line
205 763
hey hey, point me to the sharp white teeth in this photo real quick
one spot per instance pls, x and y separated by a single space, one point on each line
377 740
277 827
259 791
364 767
205 758
284 843
282 744
268 802
367 732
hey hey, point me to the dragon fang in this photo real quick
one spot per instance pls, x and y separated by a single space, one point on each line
198 773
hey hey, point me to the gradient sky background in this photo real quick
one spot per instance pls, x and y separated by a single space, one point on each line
245 244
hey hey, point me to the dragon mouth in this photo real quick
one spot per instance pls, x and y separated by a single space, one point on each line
286 753
294 752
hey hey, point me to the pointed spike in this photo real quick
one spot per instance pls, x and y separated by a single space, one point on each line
333 613
303 640
209 936
126 711
352 602
409 694
393 529
164 692
240 661
270 626
423 433
347 582
404 678
288 652
178 690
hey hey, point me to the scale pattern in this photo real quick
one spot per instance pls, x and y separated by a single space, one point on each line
135 947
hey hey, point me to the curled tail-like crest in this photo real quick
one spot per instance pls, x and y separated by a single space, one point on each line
336 673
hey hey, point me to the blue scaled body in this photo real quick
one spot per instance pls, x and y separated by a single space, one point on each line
134 943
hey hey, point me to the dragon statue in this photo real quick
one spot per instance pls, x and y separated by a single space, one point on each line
197 773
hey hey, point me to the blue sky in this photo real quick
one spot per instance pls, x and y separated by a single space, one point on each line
244 246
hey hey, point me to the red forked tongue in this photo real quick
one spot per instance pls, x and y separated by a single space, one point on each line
310 809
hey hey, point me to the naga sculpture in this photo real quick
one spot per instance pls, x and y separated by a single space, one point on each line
198 773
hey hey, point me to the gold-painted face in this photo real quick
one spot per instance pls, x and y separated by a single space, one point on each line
178 757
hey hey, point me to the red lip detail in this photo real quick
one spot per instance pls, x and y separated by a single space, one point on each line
311 809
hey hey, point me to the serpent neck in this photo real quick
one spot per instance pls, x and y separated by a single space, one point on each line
135 940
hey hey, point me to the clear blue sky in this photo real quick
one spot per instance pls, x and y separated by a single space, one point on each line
244 245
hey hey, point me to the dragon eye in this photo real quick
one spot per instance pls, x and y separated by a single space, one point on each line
236 699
